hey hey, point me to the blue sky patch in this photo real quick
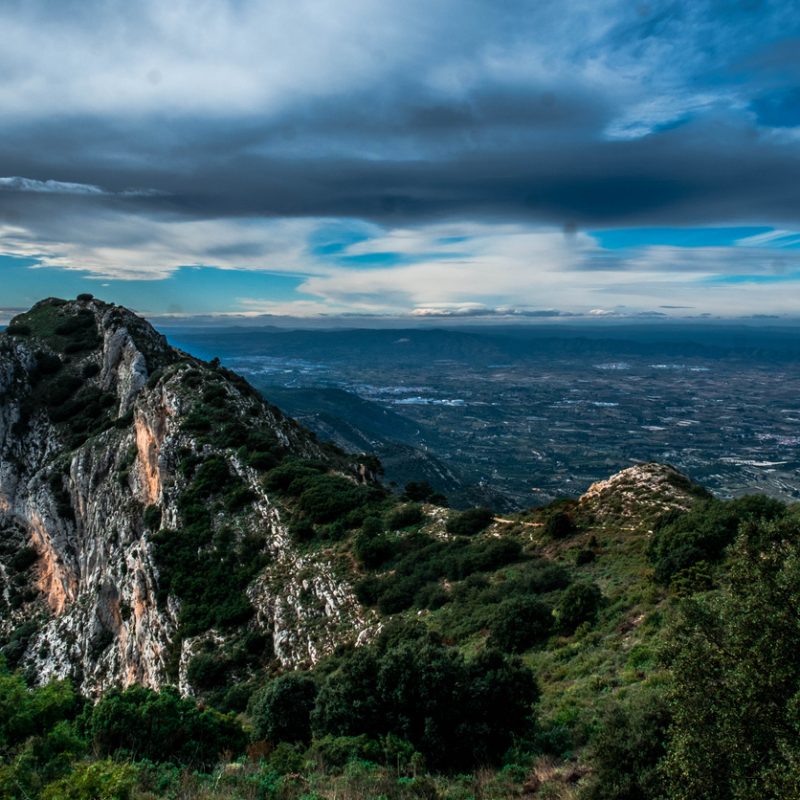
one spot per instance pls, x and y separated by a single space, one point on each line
785 277
623 238
196 290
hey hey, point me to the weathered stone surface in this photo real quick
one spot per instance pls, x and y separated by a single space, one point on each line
640 491
95 577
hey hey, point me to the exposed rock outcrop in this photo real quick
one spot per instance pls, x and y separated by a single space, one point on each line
98 418
639 492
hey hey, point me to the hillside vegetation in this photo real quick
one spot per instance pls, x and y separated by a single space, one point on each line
638 642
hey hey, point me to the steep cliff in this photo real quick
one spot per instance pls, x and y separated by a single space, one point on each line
121 457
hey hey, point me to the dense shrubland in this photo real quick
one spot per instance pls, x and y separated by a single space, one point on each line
710 714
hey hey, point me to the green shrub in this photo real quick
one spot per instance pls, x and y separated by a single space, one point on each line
61 389
78 332
338 751
291 473
368 590
431 596
215 394
262 460
417 561
404 517
161 726
17 643
681 540
423 492
735 675
28 712
470 522
207 671
212 477
197 422
486 556
326 498
519 623
627 749
47 363
559 525
398 594
23 559
239 497
579 603
152 517
281 711
95 780
208 574
372 550
457 713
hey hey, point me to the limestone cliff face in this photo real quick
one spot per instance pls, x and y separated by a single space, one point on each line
96 421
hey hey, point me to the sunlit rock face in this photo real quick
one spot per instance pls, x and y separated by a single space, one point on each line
642 491
77 557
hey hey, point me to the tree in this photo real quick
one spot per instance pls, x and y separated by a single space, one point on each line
281 711
404 517
423 492
681 540
559 525
736 694
628 748
470 522
26 712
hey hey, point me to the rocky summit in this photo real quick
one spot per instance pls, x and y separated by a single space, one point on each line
105 433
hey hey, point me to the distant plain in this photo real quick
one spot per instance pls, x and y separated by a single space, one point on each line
515 416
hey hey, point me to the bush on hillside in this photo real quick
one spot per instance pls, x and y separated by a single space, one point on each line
404 516
681 540
579 603
470 522
459 714
161 726
519 623
281 711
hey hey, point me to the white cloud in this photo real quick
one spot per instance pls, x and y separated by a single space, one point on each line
446 269
16 183
19 184
773 238
204 57
135 247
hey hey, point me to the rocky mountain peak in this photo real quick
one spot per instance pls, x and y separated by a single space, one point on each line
643 491
105 344
129 472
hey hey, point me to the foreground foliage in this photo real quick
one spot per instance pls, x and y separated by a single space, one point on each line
410 716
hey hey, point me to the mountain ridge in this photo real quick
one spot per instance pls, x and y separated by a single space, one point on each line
76 487
100 479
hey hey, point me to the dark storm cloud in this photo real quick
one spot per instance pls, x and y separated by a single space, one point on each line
624 115
697 173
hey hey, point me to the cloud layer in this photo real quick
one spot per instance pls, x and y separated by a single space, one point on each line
468 148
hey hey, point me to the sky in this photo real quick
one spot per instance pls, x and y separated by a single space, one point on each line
428 160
